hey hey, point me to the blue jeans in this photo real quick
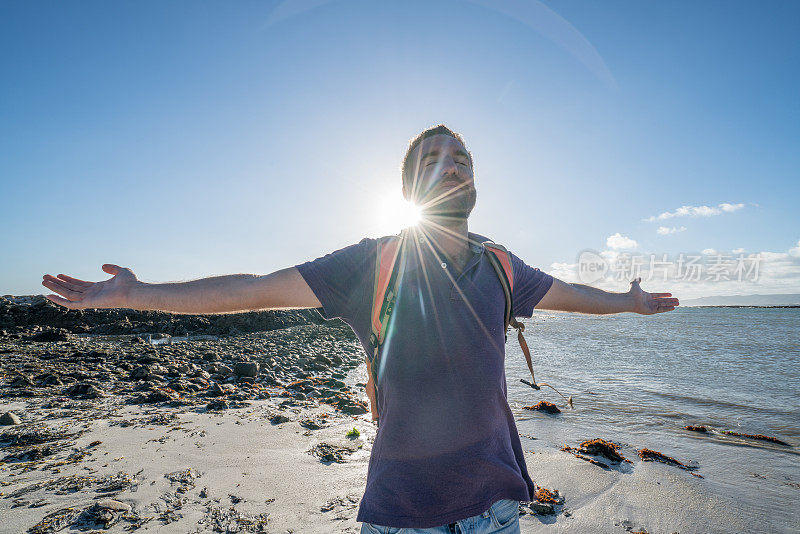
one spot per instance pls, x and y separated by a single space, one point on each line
501 518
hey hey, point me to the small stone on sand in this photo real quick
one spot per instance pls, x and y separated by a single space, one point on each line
10 418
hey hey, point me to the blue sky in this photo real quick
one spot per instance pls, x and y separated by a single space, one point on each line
188 139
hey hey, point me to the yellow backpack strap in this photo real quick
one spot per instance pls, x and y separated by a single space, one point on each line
388 266
500 259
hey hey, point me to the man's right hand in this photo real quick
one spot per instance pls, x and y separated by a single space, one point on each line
79 294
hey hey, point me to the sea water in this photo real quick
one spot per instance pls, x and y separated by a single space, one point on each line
638 380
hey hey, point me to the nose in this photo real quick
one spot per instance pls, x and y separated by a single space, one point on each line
448 166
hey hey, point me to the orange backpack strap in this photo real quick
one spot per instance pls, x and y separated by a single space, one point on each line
500 259
388 267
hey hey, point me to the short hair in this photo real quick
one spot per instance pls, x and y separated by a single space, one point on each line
439 129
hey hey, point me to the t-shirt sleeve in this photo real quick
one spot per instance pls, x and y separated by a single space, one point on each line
530 285
342 280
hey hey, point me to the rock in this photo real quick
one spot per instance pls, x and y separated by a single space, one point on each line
178 385
114 506
147 358
347 404
278 419
51 335
21 381
86 390
50 380
334 452
216 390
312 424
140 373
159 395
249 369
222 370
217 405
199 373
540 508
10 418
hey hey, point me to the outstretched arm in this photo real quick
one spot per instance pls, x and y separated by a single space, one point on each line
219 294
585 299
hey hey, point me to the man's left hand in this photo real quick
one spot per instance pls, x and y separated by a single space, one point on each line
650 303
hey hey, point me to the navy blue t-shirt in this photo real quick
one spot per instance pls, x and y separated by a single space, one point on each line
447 447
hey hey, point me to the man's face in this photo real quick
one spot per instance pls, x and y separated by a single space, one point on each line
440 178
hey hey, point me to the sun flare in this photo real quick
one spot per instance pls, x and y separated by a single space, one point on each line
397 213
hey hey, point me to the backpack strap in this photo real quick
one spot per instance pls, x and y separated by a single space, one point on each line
388 267
500 258
501 261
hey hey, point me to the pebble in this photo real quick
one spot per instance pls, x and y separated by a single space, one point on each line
10 418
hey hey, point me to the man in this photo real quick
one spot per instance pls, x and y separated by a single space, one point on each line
447 456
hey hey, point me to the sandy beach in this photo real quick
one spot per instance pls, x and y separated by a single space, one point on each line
264 429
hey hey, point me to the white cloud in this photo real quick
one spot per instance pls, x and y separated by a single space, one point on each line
775 272
761 273
619 241
730 207
737 251
567 272
697 211
666 230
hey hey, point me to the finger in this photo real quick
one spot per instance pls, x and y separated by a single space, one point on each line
657 295
110 268
76 281
53 285
665 309
55 299
636 280
68 285
667 302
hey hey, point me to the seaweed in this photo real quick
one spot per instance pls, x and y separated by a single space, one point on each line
759 437
649 455
548 496
601 447
696 428
543 406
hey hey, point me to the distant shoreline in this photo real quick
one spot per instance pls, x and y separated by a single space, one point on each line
740 306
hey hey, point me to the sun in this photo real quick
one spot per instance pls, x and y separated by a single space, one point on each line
396 213
409 214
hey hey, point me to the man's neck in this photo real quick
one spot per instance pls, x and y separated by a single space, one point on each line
450 238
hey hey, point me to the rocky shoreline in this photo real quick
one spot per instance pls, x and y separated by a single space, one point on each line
70 372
